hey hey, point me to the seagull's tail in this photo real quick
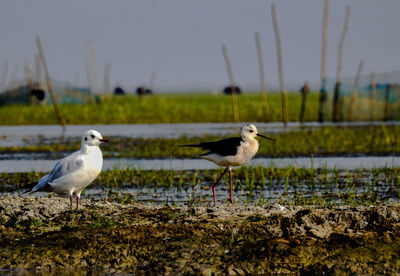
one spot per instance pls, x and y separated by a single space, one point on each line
29 188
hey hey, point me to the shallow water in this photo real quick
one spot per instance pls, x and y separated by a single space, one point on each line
334 192
340 163
19 135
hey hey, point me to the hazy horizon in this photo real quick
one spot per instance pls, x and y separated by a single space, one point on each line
181 40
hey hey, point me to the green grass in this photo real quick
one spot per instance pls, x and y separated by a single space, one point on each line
187 108
372 140
177 108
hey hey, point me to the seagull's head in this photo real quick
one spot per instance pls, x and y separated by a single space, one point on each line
93 138
250 131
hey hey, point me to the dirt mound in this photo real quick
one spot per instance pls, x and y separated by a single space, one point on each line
43 234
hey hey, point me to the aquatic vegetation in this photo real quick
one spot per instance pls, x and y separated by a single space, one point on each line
373 140
252 185
165 108
186 108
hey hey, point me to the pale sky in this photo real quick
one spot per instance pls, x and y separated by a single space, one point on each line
181 39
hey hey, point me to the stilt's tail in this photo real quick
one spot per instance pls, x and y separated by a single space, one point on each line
192 146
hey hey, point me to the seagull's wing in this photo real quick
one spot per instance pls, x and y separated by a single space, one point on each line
223 147
63 168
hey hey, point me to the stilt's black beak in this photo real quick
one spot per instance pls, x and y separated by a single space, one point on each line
104 140
272 139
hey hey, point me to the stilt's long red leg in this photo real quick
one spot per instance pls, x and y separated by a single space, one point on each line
216 183
77 202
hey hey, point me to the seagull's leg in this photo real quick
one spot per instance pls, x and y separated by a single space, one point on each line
216 183
77 201
230 185
71 199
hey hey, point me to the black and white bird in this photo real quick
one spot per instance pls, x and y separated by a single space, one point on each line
76 171
231 152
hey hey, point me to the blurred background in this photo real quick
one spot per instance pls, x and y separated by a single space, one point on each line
177 43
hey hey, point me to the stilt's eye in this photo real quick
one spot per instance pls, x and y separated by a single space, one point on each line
251 131
92 136
85 138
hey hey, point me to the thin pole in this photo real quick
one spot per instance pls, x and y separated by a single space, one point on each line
152 79
14 75
354 94
232 83
336 103
107 87
305 90
38 75
28 72
93 67
386 106
262 79
49 87
373 96
322 94
280 68
87 65
4 77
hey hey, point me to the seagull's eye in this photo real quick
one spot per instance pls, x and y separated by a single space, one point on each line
251 131
92 136
85 138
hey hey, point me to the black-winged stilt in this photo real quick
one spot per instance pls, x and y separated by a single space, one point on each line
230 152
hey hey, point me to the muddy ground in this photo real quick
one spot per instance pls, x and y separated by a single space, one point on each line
42 234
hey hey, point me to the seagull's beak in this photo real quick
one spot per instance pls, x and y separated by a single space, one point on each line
104 140
272 139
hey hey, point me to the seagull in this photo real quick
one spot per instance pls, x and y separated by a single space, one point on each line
76 171
230 152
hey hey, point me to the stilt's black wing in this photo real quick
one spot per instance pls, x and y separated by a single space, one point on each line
223 147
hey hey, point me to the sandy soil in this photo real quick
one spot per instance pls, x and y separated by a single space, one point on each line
43 234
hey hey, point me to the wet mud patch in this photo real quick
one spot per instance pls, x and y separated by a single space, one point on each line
42 234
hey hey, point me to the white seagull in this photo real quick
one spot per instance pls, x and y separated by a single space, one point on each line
73 173
230 152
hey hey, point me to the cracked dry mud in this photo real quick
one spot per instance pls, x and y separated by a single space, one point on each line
42 234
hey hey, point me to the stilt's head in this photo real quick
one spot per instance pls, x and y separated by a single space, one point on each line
250 131
93 138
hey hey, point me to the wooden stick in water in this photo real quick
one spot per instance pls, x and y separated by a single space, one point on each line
336 102
4 77
232 83
49 87
322 92
354 94
280 68
386 105
262 80
373 97
305 90
107 87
